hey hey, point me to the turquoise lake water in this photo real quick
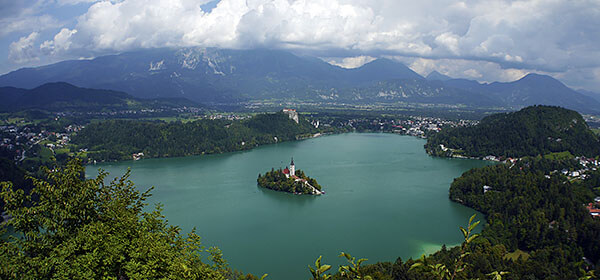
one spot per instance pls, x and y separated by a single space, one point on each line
385 198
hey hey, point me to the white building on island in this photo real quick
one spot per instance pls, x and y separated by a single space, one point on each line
291 172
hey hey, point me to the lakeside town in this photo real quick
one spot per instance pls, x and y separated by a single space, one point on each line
586 166
19 138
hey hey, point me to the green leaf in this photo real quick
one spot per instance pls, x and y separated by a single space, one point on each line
324 268
471 227
415 265
472 237
464 232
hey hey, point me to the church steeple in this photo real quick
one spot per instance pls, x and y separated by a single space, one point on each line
292 168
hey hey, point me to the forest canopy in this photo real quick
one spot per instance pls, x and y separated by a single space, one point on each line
534 130
119 139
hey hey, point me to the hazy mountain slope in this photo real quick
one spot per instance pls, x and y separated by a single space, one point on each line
470 85
9 95
437 76
541 89
533 89
64 96
380 70
416 91
210 75
213 75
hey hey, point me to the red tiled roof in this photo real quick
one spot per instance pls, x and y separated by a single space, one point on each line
592 209
286 171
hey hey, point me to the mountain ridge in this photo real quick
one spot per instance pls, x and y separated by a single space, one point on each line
225 76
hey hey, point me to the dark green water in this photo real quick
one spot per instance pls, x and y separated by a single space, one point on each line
385 198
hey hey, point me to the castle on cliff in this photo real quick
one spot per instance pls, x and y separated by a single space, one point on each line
292 114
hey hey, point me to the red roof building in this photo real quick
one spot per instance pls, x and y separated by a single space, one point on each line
595 212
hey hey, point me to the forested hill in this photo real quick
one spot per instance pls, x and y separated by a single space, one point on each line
119 139
531 131
531 207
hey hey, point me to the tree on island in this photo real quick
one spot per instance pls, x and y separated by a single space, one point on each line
278 181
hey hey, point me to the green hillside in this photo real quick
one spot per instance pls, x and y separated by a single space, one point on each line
531 131
119 139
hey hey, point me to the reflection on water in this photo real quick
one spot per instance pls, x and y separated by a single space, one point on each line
277 197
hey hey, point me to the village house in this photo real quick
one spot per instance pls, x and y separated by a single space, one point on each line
138 156
486 188
594 211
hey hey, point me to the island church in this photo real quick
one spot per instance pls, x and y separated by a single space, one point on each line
291 172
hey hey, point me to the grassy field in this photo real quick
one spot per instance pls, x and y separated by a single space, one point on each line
559 156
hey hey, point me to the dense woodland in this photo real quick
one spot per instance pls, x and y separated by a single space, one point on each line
532 131
534 208
276 180
119 139
10 172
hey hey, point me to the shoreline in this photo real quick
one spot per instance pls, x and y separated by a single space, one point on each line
298 138
316 135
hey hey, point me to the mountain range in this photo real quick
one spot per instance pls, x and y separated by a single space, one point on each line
223 76
63 96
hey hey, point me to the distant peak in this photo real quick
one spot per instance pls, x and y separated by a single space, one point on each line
383 60
435 75
536 76
539 78
392 67
56 85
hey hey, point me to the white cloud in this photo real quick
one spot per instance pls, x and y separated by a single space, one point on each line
24 50
27 23
514 33
544 35
61 42
349 62
74 2
24 16
472 73
483 71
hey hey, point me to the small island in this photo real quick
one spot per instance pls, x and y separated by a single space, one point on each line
289 180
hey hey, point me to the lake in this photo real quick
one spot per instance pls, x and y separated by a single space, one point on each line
385 198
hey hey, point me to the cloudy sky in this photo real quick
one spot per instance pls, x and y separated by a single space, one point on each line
487 40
